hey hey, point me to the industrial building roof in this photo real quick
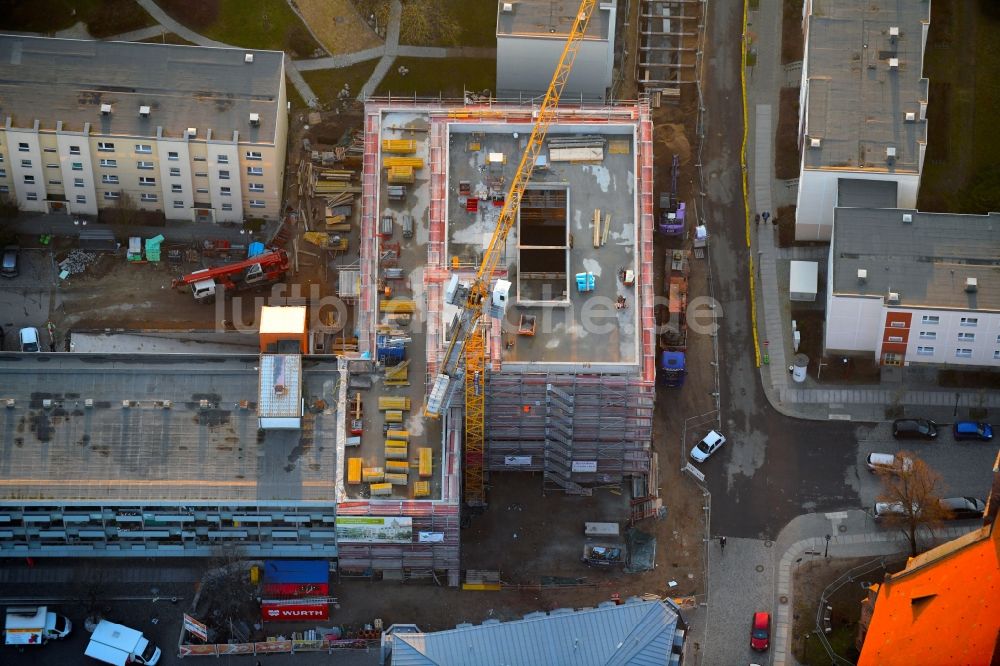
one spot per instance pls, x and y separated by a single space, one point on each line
927 260
862 81
163 444
548 19
637 632
205 88
280 393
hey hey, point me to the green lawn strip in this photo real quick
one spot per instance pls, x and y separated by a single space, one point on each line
429 77
327 83
103 17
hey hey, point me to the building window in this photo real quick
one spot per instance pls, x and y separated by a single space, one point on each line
967 337
996 354
925 351
227 206
222 159
109 164
147 180
201 175
77 166
895 338
178 204
109 179
51 166
78 182
25 164
176 188
930 319
172 155
143 148
53 181
255 171
23 147
74 150
31 196
112 196
202 190
998 339
29 180
1 158
147 197
3 173
146 166
225 191
105 147
928 335
81 199
199 159
223 175
51 150
256 187
4 189
963 353
969 321
254 155
175 172
897 324
257 203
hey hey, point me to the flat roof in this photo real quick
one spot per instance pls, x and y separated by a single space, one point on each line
207 88
925 261
146 452
856 102
280 387
548 19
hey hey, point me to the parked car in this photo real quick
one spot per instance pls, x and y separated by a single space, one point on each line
914 429
760 631
960 508
882 509
712 442
972 430
888 462
9 266
29 339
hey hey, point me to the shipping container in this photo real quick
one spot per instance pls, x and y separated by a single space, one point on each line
381 489
426 465
370 474
395 453
353 471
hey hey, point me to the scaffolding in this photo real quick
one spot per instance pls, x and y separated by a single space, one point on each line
668 31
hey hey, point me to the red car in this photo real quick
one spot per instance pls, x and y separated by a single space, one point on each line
760 632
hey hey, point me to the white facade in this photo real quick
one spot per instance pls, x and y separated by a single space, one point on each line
75 163
818 194
224 180
853 323
177 186
26 169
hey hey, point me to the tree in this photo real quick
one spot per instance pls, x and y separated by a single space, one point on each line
913 490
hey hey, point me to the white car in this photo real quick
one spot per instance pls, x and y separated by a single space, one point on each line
29 339
712 442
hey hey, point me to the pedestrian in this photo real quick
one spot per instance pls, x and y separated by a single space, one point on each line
722 543
765 216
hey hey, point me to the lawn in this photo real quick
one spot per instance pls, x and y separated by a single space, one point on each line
293 96
327 83
256 24
786 139
338 25
430 77
961 173
168 38
792 39
440 22
103 17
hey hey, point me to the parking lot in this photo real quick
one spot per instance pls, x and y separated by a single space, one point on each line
25 300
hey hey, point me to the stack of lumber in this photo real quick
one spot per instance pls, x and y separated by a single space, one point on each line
415 162
587 148
399 146
400 175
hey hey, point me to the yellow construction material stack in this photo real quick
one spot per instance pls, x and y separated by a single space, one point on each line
415 162
381 489
395 453
395 443
372 474
398 305
397 466
393 402
399 146
397 479
393 416
353 471
403 435
400 175
422 489
426 465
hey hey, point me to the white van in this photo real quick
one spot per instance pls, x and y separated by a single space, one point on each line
117 644
34 626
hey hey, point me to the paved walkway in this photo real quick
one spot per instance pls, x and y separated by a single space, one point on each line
183 232
139 35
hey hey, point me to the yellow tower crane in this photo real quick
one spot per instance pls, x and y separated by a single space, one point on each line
467 349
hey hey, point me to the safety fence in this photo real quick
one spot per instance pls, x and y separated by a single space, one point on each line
277 647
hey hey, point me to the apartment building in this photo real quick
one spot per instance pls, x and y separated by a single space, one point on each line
197 133
911 287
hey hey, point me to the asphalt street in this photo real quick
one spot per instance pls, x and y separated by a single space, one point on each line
25 299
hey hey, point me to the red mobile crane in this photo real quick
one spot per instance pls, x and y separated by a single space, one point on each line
258 270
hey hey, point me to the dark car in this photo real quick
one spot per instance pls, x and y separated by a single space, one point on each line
760 631
914 429
9 267
960 508
973 430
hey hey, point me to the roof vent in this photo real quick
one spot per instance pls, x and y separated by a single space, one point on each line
192 132
911 117
255 119
893 63
144 112
248 58
815 142
894 31
105 109
894 297
907 218
890 154
862 275
971 285
508 7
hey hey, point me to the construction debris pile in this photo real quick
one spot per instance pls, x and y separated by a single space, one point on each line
76 262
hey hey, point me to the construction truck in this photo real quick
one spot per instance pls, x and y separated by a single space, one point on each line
262 269
672 321
34 625
672 211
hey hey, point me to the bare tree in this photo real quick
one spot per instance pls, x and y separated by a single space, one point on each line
913 491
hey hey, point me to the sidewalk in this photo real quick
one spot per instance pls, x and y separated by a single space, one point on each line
182 232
